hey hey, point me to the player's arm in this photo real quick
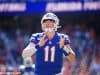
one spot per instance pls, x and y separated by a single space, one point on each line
32 47
29 50
70 52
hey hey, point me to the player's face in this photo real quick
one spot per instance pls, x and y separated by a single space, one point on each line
49 24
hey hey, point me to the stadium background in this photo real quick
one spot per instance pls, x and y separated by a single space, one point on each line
82 26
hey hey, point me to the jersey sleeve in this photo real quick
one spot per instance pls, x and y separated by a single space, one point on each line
33 38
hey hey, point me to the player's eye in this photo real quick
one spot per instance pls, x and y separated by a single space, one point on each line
48 20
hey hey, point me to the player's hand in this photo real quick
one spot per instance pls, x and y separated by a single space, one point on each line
61 43
42 41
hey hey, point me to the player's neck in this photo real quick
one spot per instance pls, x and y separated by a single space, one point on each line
50 35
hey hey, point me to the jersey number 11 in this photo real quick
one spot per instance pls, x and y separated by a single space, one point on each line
52 56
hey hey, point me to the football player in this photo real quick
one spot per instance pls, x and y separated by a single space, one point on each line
49 47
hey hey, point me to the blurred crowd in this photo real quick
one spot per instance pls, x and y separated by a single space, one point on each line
83 43
87 51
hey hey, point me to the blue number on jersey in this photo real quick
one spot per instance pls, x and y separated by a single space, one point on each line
49 58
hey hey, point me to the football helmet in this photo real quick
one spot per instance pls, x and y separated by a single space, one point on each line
50 16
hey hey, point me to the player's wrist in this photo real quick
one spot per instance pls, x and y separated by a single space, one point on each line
37 46
61 47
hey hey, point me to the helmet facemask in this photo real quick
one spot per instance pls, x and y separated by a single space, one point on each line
49 27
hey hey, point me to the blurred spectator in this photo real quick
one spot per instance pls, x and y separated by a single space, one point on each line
95 65
3 70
